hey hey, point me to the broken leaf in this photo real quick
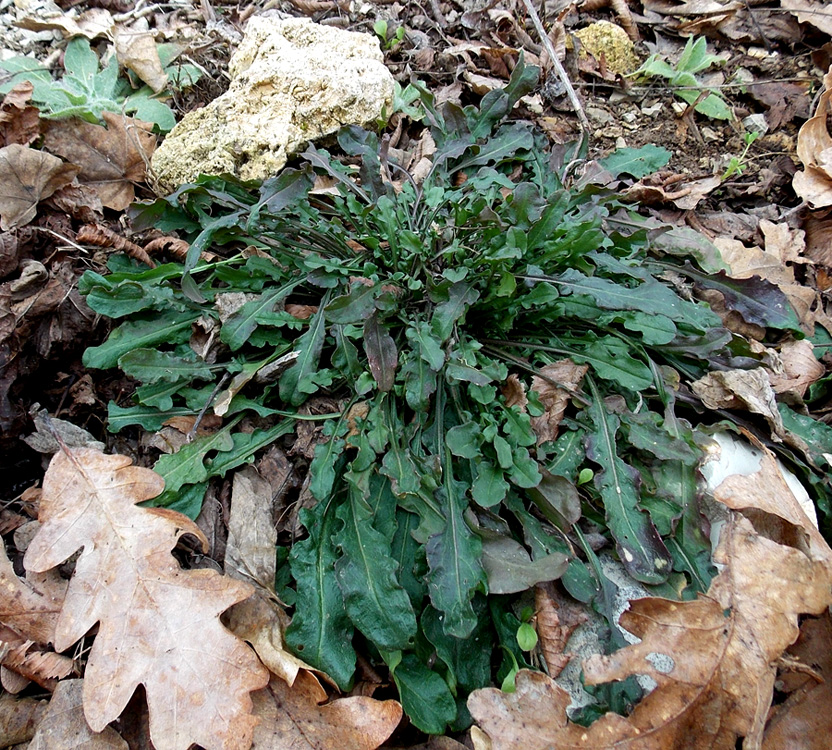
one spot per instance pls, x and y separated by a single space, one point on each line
158 624
554 385
63 726
137 51
510 569
27 177
293 719
111 159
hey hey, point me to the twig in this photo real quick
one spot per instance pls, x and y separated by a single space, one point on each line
559 69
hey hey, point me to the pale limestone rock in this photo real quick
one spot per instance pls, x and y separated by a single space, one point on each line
292 81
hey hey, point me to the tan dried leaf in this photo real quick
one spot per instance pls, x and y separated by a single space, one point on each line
553 386
801 368
815 12
63 726
713 659
18 718
752 261
158 624
26 178
137 51
556 619
111 159
814 147
293 719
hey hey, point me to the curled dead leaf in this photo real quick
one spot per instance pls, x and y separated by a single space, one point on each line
19 120
137 51
554 386
814 147
26 178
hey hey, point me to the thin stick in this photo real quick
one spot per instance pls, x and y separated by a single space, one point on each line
559 69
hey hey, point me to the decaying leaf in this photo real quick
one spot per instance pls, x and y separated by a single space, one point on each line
814 147
743 389
111 159
293 719
557 618
804 721
27 660
158 624
63 726
18 718
713 659
554 386
26 178
19 120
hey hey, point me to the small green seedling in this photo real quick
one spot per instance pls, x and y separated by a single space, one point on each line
381 30
86 90
682 78
737 164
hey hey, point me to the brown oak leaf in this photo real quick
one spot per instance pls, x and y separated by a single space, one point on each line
111 159
293 719
26 178
158 625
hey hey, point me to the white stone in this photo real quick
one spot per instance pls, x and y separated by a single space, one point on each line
293 81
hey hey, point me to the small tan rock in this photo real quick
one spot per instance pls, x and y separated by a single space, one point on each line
292 81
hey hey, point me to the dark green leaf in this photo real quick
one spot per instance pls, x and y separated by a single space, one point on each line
454 561
639 546
430 349
187 465
460 297
239 326
354 307
510 569
464 440
424 695
469 659
146 417
299 380
375 601
320 632
164 328
490 486
153 366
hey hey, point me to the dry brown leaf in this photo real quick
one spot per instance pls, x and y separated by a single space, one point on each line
713 659
19 120
752 261
741 389
31 613
556 620
137 51
18 719
252 536
158 624
801 368
293 719
261 622
814 147
27 177
111 159
685 194
514 392
815 12
63 727
92 23
553 386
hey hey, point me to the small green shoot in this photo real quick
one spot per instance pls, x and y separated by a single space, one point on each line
381 29
738 164
683 81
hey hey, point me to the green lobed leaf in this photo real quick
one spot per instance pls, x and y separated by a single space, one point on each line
187 465
153 366
320 632
454 559
639 545
147 417
239 326
168 327
299 380
638 162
